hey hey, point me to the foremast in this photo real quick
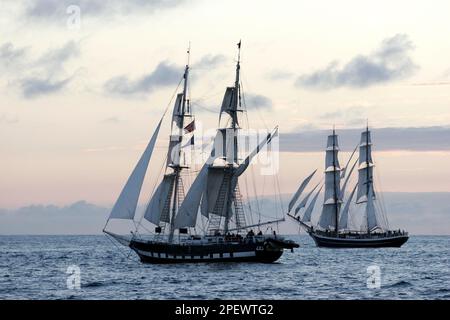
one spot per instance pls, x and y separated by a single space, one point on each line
176 164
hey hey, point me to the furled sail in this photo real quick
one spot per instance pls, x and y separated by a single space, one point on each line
303 203
299 191
365 175
309 210
159 205
343 219
125 206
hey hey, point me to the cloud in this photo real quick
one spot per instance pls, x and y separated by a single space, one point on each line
209 61
391 61
111 120
419 213
412 139
39 76
257 101
51 10
8 119
280 75
165 74
33 87
10 56
351 116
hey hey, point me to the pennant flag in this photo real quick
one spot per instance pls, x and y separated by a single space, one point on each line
190 127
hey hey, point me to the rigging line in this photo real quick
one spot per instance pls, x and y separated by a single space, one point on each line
118 247
258 109
162 117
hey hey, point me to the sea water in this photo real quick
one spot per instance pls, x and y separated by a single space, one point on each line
93 267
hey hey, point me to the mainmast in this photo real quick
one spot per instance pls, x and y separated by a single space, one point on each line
336 206
234 127
177 164
367 173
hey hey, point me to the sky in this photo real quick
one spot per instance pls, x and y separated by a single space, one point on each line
84 83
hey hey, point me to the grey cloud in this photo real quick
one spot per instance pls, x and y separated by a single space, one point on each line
164 74
419 213
391 61
349 116
37 76
413 139
209 61
56 9
33 87
53 60
280 75
11 56
253 101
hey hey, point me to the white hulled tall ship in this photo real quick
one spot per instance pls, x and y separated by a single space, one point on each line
214 194
336 227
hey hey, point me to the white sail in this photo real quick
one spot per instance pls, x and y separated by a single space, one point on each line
332 187
372 221
229 103
159 202
216 190
240 170
332 201
344 186
344 170
328 217
303 203
343 219
187 212
125 206
299 191
309 210
365 175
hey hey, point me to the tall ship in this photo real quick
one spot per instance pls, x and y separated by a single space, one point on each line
337 226
213 197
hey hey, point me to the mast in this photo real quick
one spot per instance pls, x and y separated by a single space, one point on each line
233 111
367 172
176 166
336 208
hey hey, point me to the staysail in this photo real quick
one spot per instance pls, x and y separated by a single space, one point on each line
125 206
303 203
343 220
299 191
309 210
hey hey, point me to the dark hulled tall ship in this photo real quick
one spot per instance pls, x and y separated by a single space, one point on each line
335 228
214 194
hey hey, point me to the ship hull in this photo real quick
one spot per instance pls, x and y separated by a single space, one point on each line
159 252
369 242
